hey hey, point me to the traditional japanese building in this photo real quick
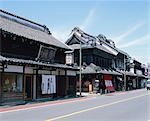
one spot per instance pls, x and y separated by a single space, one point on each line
98 59
102 62
32 61
141 73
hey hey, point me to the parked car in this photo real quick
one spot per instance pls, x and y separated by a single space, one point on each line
148 84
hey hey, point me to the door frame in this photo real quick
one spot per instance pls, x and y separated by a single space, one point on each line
25 97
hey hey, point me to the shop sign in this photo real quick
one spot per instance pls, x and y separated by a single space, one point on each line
48 85
46 54
108 82
69 59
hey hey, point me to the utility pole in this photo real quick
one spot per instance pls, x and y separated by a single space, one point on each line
80 61
125 83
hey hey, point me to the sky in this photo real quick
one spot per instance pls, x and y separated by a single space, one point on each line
126 22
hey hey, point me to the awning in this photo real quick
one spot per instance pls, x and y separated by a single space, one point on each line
110 72
88 70
130 73
93 69
127 73
32 62
2 58
141 75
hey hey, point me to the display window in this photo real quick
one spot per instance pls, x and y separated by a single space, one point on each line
12 82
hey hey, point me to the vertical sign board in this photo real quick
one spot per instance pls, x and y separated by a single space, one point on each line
48 85
108 82
69 58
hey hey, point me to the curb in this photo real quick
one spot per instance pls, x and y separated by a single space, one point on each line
124 92
38 105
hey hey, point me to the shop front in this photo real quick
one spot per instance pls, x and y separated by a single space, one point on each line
56 83
12 84
98 80
27 83
108 82
16 84
27 61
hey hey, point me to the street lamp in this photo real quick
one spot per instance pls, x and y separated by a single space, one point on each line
125 86
80 61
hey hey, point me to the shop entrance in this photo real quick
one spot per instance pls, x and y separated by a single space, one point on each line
28 87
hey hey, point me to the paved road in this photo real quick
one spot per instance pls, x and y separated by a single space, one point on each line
127 106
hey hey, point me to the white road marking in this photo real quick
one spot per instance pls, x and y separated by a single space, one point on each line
93 108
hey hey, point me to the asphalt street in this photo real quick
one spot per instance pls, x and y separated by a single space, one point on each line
126 106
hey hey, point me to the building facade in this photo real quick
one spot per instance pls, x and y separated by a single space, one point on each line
104 66
98 60
32 62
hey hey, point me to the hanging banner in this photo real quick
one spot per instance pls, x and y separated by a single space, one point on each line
48 85
108 82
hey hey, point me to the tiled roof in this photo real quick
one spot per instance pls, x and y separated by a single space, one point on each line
88 70
121 51
16 27
2 58
128 73
77 46
109 72
93 69
85 38
89 40
15 60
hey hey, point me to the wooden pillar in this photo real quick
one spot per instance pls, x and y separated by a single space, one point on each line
67 82
36 75
0 87
1 83
23 82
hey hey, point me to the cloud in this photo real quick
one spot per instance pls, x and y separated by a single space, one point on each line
138 41
88 20
128 32
141 59
63 32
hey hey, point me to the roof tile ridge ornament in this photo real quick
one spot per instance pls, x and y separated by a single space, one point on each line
80 31
103 39
46 29
85 36
76 30
95 67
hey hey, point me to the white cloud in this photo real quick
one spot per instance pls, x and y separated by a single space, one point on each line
88 20
128 32
63 32
139 41
141 58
